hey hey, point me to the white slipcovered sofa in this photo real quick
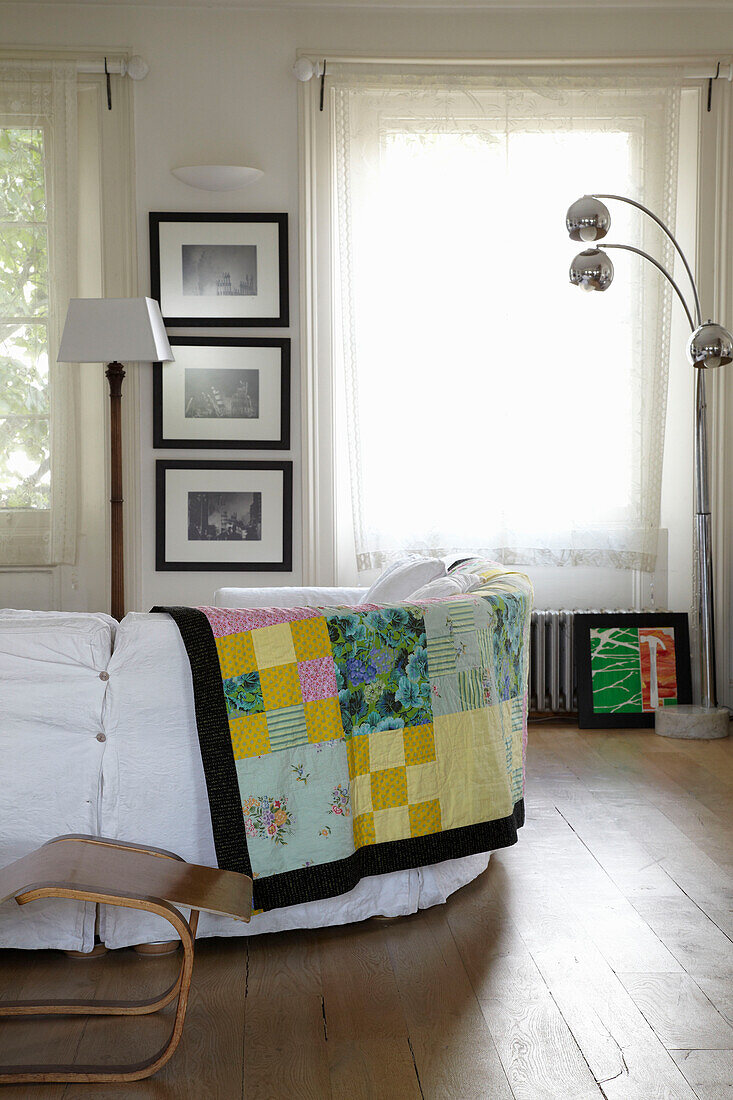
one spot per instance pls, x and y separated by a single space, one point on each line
98 735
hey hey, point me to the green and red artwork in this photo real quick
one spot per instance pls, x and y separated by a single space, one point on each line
630 665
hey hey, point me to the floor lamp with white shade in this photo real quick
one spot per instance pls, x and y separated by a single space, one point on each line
710 345
106 330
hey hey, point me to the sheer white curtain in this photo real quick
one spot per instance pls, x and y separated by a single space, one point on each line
489 406
38 270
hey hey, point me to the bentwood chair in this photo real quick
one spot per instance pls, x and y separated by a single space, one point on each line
110 872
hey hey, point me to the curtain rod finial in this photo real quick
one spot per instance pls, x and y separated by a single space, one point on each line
136 68
304 69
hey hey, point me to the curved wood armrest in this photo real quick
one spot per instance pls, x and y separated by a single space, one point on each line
113 872
93 865
110 842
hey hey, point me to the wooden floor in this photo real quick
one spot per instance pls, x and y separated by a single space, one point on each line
593 959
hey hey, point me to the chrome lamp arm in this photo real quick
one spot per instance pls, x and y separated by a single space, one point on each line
675 242
668 277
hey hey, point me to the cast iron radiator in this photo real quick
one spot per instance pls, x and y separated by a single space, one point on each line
552 679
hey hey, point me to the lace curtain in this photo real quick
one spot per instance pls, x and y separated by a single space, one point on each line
490 407
38 266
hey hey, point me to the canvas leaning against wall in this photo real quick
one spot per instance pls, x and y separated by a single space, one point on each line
629 665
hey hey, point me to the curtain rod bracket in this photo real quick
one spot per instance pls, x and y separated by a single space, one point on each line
710 87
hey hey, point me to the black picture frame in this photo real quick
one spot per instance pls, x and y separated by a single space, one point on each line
162 564
282 320
588 717
281 443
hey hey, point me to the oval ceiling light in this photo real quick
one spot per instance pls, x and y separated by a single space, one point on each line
217 177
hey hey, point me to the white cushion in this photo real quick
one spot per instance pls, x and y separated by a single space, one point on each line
451 585
400 580
52 705
289 597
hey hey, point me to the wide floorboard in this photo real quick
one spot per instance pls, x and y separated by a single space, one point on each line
593 959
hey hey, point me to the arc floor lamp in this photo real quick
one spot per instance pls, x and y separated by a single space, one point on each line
710 345
105 330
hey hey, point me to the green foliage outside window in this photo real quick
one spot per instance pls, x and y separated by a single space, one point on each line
25 475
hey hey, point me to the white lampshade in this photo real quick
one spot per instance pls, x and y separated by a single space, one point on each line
105 330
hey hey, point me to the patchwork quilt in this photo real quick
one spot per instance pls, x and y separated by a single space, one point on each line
343 742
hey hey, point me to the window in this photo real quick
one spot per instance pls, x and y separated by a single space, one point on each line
38 238
483 403
25 458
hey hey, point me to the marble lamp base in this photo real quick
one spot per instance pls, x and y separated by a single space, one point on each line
695 723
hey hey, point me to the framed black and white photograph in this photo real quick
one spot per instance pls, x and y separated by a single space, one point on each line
225 392
224 515
220 269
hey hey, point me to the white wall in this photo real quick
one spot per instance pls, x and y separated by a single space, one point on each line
220 90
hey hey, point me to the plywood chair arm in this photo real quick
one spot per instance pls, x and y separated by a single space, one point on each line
131 876
96 864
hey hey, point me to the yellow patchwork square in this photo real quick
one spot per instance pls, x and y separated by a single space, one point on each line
361 794
310 639
364 830
323 720
236 654
391 824
389 788
273 645
422 782
386 749
357 750
419 744
249 736
280 686
470 764
425 818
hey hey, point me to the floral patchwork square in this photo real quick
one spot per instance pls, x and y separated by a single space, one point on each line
268 818
243 694
508 639
318 679
381 668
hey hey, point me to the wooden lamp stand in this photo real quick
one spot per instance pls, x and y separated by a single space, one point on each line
115 374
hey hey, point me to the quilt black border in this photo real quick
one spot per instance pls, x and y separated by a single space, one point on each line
302 884
212 723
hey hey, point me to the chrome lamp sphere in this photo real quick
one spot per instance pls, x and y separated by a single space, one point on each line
710 345
588 219
592 270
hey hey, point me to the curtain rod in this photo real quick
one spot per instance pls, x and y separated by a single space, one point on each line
309 64
135 67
